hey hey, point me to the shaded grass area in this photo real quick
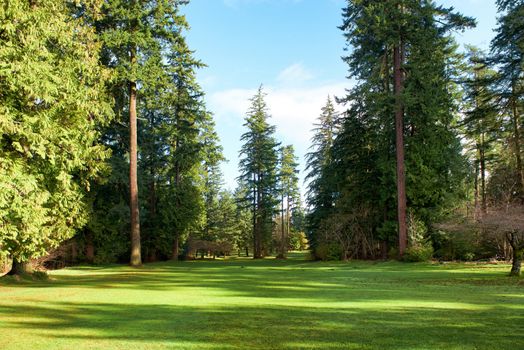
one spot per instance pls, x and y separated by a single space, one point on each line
267 304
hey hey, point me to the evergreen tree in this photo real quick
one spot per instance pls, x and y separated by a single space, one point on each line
481 124
507 53
320 191
402 59
258 168
289 193
52 102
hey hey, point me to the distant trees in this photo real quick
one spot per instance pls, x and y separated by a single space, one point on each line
258 171
289 194
52 104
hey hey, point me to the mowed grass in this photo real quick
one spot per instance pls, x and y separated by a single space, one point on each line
268 304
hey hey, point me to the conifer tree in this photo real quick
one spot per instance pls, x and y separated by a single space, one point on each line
401 58
320 191
52 102
507 52
258 168
141 42
289 193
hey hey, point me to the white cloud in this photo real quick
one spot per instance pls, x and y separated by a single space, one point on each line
293 111
295 74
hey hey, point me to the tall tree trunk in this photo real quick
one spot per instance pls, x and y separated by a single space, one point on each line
136 258
476 212
281 255
176 249
516 136
484 204
20 268
399 128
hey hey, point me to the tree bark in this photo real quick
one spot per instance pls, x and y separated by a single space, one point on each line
516 136
136 258
517 244
281 255
20 268
399 129
176 249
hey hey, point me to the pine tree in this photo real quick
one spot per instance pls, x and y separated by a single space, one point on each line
52 103
258 168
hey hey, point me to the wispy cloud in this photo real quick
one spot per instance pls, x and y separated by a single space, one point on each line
296 73
293 111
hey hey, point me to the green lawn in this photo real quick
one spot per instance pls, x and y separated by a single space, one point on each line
269 304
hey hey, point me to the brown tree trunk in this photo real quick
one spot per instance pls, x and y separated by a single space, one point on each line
20 268
176 249
477 192
516 136
281 255
517 246
484 204
136 258
399 128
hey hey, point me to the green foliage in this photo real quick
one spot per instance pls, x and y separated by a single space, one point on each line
418 253
360 176
258 171
52 103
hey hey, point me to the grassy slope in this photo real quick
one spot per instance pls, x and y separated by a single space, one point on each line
243 304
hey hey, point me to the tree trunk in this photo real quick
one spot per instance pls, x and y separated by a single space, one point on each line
517 244
136 257
281 255
20 268
516 264
477 192
90 248
516 136
484 204
399 128
176 250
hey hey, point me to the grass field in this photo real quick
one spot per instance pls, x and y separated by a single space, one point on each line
268 304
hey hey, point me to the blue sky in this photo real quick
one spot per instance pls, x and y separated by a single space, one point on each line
293 48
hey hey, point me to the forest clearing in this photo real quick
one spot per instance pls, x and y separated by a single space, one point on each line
266 304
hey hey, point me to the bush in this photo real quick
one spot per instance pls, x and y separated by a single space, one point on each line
328 251
418 253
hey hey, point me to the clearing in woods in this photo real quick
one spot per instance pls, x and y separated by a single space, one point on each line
266 304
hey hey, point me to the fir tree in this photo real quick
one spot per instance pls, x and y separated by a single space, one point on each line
52 103
258 168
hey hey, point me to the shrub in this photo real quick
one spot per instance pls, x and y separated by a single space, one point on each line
418 253
328 251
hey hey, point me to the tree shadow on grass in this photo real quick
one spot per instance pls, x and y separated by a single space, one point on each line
151 326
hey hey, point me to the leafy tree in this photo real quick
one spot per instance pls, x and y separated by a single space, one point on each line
52 101
258 168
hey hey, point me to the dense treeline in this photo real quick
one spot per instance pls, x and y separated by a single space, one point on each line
428 132
109 153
